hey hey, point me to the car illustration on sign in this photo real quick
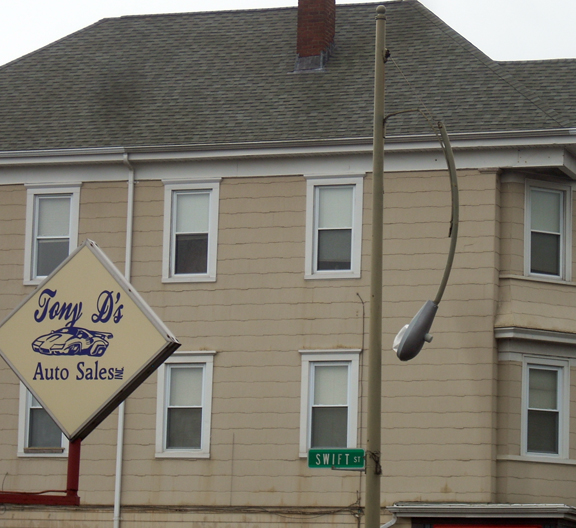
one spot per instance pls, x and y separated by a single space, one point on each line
72 341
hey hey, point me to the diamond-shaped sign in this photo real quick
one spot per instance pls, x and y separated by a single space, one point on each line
83 341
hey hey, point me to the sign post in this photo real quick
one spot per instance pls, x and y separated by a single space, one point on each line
82 342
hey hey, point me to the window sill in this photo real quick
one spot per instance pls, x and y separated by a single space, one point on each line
541 459
33 282
191 454
189 278
333 275
43 452
538 278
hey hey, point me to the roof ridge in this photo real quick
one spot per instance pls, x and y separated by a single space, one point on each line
539 61
489 63
207 12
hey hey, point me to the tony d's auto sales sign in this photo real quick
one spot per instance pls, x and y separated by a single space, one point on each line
83 341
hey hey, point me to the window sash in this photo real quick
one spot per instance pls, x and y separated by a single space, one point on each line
329 416
547 231
52 228
191 212
329 404
333 227
184 406
543 403
335 206
41 430
333 231
543 432
545 408
190 231
329 427
334 249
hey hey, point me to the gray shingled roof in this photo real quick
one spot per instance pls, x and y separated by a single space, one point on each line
227 77
553 81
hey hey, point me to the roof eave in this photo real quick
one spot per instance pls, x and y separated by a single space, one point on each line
319 147
488 510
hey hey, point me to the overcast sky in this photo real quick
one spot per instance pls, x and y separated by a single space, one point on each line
503 29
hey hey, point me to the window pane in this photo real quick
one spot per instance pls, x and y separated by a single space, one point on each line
192 212
335 206
329 427
543 432
54 216
331 385
50 254
543 389
334 249
191 254
546 207
184 429
186 386
545 254
42 430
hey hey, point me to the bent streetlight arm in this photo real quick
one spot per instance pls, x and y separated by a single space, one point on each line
449 155
411 338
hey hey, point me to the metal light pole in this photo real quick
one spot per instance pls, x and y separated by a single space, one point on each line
373 468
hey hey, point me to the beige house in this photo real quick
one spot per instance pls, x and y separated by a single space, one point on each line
222 162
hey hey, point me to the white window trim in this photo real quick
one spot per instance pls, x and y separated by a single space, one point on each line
309 260
186 358
212 185
39 190
23 407
329 356
566 234
563 366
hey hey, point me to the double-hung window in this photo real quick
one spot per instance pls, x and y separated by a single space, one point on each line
329 404
190 231
51 229
548 233
545 407
184 405
333 227
38 433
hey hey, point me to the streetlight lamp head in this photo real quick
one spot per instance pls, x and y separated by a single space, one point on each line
411 338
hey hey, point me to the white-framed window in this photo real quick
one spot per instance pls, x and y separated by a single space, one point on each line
548 234
51 228
329 399
333 227
38 434
190 231
545 407
184 405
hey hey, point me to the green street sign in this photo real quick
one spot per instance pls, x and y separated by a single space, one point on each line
336 458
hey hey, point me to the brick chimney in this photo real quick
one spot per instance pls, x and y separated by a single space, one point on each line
316 28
